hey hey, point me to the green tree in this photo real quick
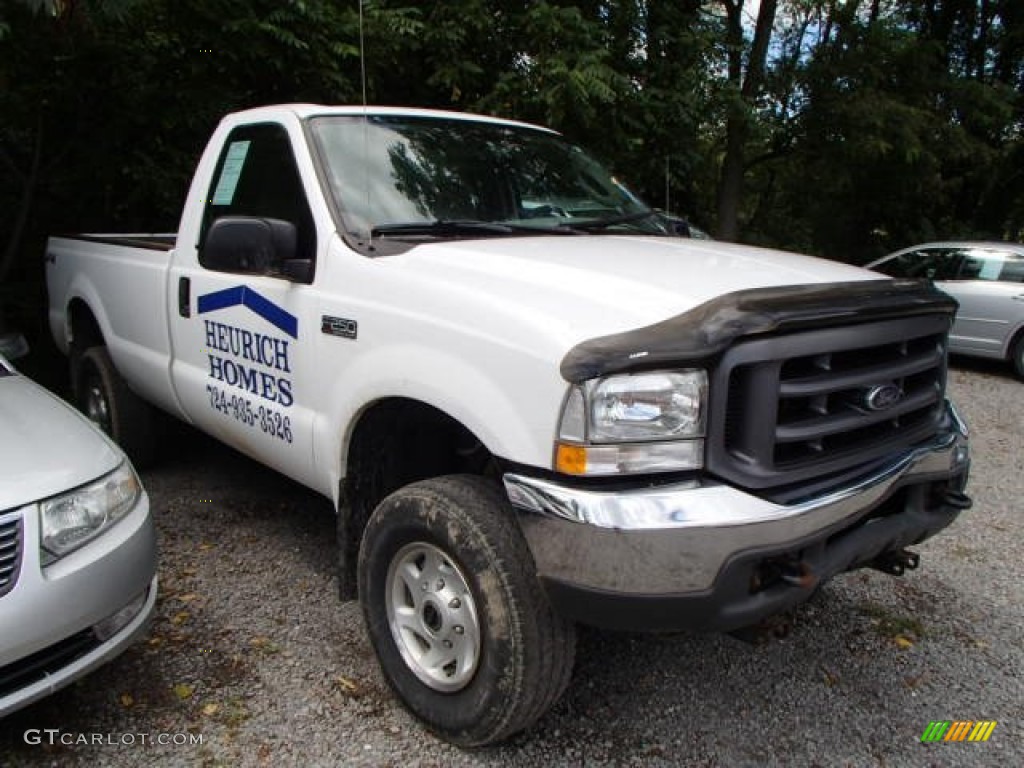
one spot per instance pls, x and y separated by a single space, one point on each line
843 127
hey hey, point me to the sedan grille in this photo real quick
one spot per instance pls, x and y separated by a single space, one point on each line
46 662
10 552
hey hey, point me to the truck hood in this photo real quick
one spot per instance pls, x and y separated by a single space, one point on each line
46 447
577 288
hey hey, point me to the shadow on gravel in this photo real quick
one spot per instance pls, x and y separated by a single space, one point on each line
998 368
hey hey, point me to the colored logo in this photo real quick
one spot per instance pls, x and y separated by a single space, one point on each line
246 297
958 730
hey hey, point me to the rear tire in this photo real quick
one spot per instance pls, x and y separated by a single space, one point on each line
104 397
461 626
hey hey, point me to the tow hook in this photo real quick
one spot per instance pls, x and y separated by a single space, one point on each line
788 570
957 499
896 562
798 574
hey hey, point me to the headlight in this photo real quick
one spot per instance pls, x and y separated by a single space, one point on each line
648 406
645 422
70 520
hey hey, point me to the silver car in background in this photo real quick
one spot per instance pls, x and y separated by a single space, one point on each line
987 279
77 545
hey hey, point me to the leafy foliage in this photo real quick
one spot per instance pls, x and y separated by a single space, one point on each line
850 127
902 124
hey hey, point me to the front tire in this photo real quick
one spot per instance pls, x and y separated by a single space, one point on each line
461 626
104 397
1017 356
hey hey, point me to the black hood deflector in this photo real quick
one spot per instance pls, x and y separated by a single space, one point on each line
708 329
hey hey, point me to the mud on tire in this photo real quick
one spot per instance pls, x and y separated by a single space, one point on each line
460 623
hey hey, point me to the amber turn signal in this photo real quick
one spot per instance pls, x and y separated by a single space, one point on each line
571 459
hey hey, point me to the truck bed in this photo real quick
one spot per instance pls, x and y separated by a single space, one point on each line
153 242
130 272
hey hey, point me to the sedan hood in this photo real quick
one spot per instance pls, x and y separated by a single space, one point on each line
46 447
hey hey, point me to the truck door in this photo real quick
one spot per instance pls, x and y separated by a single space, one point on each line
239 340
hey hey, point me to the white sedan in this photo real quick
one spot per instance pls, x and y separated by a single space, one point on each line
77 545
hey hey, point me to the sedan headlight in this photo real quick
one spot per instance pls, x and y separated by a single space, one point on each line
70 520
636 423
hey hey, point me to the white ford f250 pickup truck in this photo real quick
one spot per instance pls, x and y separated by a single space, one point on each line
531 404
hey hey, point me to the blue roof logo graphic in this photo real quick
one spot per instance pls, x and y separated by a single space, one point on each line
244 296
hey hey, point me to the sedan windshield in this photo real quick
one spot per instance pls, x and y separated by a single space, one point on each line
437 177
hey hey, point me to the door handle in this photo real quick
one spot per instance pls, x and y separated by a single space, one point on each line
185 297
1019 297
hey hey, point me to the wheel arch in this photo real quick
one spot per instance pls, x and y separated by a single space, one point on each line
395 441
1015 358
1015 338
510 409
83 328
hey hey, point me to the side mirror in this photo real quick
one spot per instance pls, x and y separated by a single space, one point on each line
249 245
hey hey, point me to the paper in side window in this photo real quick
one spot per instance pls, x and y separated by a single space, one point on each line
990 268
228 181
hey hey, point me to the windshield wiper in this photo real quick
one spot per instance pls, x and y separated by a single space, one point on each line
443 228
465 227
597 224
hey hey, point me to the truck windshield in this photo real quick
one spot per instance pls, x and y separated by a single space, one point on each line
404 176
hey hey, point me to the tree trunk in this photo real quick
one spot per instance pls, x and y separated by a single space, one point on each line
730 184
31 179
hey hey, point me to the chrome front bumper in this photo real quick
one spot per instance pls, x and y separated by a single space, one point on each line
677 539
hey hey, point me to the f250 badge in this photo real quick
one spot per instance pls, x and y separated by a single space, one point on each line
339 326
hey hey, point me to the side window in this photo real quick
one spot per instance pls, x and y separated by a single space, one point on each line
1013 269
927 263
898 266
256 175
1003 266
947 262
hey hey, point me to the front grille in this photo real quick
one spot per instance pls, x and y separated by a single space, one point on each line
10 552
818 403
46 662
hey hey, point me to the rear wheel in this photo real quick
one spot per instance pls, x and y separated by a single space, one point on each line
104 397
461 626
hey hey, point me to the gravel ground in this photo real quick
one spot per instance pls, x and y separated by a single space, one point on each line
252 651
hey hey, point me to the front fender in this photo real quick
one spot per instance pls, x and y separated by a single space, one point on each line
513 422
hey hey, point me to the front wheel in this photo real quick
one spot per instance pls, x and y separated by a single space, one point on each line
461 626
1017 356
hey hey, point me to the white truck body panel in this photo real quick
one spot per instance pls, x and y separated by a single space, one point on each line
124 289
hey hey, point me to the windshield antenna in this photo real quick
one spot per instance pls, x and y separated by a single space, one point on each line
362 55
668 208
366 139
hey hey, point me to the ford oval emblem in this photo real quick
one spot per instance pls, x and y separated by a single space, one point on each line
881 397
